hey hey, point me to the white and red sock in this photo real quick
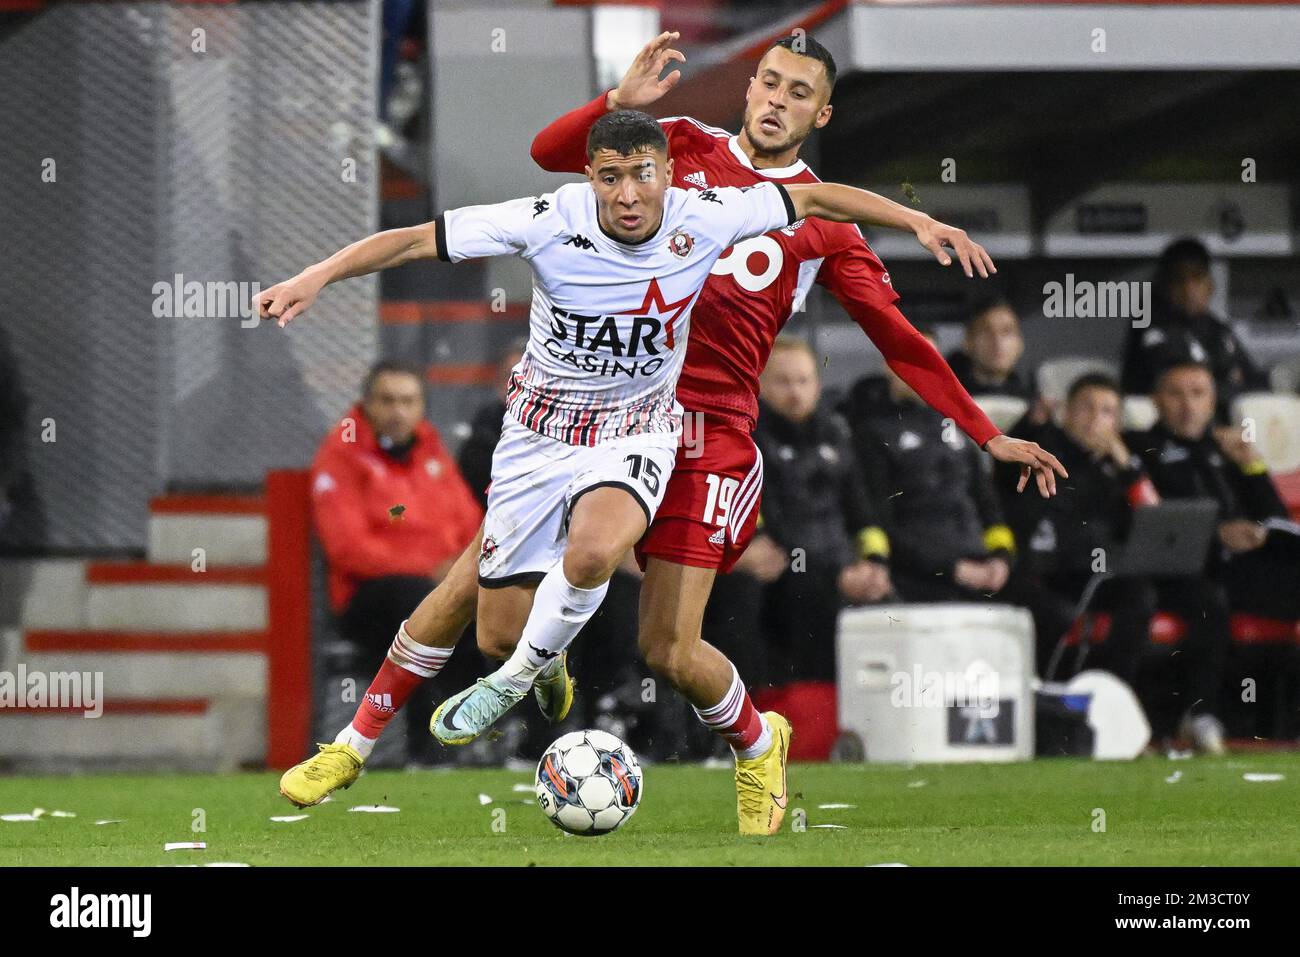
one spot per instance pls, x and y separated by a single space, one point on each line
738 721
407 665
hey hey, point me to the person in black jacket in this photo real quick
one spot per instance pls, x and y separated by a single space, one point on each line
1182 326
1254 565
1065 540
1256 554
989 358
946 536
818 537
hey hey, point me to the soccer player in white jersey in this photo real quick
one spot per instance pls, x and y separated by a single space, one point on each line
592 422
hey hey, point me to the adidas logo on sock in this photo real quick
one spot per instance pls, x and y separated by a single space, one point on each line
697 179
719 537
383 702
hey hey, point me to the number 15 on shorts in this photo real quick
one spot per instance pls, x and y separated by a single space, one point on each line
647 470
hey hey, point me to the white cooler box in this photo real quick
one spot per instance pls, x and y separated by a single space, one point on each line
938 683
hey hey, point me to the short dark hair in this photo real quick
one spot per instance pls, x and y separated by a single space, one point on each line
1179 254
1177 361
1093 380
803 44
625 132
387 366
987 304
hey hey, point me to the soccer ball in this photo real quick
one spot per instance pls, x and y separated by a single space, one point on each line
589 783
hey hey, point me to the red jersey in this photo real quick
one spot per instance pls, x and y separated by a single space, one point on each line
354 487
757 284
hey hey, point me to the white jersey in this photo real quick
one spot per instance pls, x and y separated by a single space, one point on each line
609 320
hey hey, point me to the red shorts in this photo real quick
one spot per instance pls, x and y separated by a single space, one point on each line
710 509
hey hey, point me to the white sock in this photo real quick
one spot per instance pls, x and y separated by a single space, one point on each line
362 744
559 612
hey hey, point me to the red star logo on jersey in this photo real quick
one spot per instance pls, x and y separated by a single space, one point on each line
654 305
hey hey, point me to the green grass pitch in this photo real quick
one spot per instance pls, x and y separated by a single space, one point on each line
1039 813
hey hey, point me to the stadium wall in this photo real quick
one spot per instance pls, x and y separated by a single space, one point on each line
148 147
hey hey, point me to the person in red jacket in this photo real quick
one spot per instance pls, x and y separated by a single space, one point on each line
392 512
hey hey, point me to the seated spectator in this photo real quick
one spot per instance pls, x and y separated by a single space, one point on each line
1254 566
475 458
393 514
1257 557
987 362
1182 325
947 539
1062 538
819 545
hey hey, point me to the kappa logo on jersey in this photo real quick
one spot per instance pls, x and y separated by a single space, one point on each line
697 179
540 207
579 241
680 244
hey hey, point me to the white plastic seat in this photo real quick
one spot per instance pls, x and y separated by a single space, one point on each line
1275 421
1139 413
1004 411
1055 376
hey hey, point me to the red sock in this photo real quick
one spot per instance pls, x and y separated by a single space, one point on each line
735 717
404 669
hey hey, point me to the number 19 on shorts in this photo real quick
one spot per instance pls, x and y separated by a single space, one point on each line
722 492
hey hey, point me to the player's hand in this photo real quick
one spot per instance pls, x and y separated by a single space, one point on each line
1033 460
940 237
284 301
641 85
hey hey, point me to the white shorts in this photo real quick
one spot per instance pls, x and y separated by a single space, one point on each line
535 482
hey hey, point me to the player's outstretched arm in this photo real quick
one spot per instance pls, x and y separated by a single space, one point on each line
846 204
286 300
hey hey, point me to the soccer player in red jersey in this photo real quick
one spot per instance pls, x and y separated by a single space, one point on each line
710 507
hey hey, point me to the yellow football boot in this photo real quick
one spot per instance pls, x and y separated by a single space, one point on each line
760 782
334 766
553 689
